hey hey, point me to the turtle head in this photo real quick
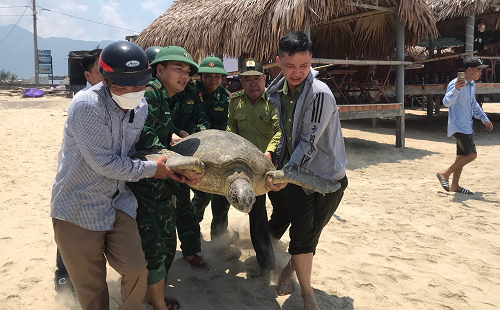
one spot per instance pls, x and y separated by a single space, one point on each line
240 195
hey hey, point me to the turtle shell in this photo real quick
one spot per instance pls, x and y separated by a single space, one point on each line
219 149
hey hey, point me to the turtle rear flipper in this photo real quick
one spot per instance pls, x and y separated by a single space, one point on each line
305 178
174 161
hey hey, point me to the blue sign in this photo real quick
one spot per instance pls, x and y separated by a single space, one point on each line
44 57
45 68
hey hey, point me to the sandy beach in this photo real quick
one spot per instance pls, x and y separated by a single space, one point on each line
398 240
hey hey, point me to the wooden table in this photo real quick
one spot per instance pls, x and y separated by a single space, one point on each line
338 87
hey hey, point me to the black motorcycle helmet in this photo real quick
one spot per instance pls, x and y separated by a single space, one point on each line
125 63
152 51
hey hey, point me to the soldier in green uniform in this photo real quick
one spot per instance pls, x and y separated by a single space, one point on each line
254 118
188 114
216 100
156 212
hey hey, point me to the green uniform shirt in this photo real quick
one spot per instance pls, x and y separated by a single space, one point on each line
189 113
216 106
158 127
258 123
288 104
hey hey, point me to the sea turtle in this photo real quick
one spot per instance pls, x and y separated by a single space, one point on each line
234 167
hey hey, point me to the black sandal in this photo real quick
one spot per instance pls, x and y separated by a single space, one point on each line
465 191
444 184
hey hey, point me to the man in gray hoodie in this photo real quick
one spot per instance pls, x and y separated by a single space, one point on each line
311 138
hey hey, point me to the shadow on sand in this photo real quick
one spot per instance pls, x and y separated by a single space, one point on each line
463 199
363 153
325 301
417 127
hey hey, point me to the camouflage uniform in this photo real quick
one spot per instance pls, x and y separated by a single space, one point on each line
216 106
156 212
189 115
189 112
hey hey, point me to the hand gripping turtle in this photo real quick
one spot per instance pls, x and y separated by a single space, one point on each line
234 167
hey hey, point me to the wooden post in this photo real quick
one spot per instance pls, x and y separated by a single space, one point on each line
439 99
469 33
400 82
430 72
307 29
430 108
329 62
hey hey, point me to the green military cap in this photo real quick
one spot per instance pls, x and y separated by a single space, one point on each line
175 53
251 66
212 65
152 51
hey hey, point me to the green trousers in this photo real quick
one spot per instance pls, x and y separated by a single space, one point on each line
156 223
188 226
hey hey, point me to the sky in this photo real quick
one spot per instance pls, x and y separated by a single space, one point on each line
132 15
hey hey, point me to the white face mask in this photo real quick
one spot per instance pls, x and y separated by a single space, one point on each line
128 101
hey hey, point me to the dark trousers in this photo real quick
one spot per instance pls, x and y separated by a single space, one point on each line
188 227
220 208
259 233
61 269
62 282
200 202
306 215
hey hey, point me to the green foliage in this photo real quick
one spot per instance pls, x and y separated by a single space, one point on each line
6 76
13 78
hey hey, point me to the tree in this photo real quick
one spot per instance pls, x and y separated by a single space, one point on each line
4 75
13 78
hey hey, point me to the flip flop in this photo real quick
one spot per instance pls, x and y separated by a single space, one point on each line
444 184
465 191
196 261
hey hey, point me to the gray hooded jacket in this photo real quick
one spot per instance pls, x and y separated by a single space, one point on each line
317 140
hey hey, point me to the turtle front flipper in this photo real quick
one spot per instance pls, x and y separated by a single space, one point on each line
174 161
305 178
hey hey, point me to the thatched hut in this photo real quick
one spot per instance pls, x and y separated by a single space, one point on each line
451 9
451 16
339 28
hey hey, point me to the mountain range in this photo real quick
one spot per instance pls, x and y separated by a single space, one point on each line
17 53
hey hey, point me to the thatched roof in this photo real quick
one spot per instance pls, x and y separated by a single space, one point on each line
253 27
447 9
451 15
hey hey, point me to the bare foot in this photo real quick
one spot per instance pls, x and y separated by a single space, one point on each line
461 190
309 299
285 282
310 303
285 287
455 189
443 177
